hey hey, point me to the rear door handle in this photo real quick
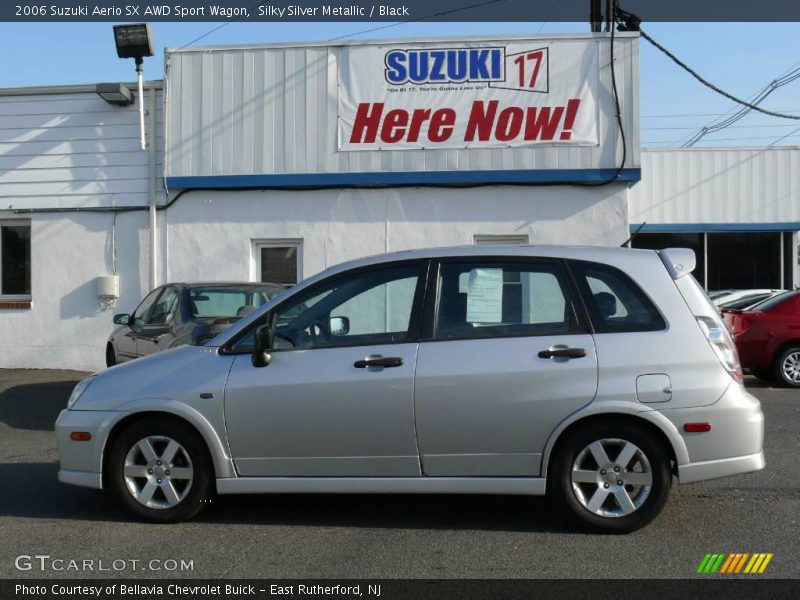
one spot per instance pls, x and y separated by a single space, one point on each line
561 350
376 360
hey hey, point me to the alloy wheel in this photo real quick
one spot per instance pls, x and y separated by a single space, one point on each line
791 367
158 472
611 477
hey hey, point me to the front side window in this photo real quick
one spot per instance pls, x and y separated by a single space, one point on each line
615 303
365 308
15 259
142 313
162 311
502 299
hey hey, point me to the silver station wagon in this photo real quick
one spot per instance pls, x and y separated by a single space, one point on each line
592 375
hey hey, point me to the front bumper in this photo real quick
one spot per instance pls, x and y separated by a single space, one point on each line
82 462
732 447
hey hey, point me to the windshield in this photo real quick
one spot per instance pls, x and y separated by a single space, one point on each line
217 302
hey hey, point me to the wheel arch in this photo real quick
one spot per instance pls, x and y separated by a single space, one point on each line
616 413
223 465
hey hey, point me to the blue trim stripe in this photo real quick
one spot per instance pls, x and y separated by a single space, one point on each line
384 179
699 227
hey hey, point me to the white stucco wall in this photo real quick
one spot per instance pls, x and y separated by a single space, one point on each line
211 234
66 327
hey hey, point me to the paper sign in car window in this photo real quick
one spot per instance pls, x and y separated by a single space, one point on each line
485 296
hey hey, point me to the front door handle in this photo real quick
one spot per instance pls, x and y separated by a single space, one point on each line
561 350
376 360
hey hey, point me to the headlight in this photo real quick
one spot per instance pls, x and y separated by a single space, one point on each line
78 391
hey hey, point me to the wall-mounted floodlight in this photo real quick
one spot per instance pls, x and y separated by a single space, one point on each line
115 93
135 41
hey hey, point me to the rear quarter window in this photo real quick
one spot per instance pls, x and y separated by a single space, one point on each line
615 303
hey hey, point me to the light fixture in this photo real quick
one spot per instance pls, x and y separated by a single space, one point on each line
115 93
134 41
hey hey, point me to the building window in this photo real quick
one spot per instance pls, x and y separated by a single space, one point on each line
732 259
15 260
279 261
500 239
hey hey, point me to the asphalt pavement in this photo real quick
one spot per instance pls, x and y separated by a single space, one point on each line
352 536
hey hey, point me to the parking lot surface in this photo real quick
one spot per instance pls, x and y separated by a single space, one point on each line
347 536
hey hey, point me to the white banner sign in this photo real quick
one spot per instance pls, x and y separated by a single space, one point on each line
485 95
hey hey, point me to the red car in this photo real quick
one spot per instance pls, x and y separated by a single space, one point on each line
767 337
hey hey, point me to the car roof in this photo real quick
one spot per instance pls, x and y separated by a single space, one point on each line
538 250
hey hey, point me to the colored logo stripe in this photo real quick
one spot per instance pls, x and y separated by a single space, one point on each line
736 562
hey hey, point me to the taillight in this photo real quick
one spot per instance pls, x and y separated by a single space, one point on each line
740 324
722 344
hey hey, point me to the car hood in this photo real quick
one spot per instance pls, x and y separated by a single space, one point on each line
180 375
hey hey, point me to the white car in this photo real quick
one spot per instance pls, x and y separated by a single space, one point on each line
593 375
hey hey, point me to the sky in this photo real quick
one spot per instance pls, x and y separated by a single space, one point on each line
741 58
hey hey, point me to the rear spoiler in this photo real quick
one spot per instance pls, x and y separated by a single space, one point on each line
679 261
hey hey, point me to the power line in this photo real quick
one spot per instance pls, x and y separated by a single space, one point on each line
733 139
731 127
710 85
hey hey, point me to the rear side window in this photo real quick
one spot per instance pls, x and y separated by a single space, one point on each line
478 300
615 303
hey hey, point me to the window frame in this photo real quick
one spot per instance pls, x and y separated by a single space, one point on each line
15 297
578 324
576 274
255 263
415 319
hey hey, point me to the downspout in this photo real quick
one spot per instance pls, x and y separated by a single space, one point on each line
151 149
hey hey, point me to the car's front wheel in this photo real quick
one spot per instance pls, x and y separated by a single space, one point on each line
613 478
160 470
787 367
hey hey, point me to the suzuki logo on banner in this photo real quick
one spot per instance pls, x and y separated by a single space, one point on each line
528 69
471 96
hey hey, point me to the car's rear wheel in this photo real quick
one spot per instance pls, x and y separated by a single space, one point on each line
160 470
111 357
613 478
787 367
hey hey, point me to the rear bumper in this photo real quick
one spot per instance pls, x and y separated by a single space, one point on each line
713 469
734 445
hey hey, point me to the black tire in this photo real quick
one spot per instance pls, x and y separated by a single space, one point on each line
565 498
111 358
194 493
781 370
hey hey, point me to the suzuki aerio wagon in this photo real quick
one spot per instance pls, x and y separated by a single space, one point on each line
592 375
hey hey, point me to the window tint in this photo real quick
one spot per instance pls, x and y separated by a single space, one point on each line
615 303
278 264
370 307
500 299
226 302
142 313
163 308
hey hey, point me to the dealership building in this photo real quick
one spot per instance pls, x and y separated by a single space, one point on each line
273 162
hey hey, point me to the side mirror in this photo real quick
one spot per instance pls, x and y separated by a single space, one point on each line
339 325
123 319
261 352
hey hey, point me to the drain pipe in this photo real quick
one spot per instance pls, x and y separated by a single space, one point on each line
151 149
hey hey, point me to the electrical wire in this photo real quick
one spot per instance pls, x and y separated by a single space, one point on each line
710 85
